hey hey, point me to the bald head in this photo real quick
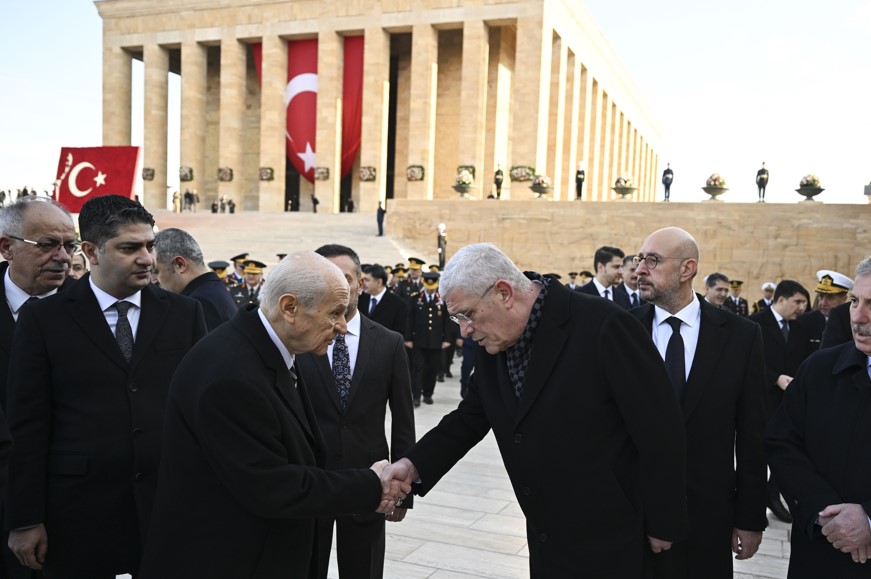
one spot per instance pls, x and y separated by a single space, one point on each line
306 275
670 283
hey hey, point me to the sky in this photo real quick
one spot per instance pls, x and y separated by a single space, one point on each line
733 85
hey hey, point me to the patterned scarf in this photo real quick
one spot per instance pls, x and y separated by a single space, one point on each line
518 354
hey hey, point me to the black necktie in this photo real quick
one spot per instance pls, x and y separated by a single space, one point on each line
123 331
372 303
634 299
342 369
674 358
607 294
785 330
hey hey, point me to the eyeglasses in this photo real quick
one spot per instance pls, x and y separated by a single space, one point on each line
651 261
51 246
465 317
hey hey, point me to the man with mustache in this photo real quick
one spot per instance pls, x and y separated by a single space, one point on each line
817 449
88 380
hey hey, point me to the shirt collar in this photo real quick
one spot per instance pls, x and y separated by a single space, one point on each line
777 317
600 287
282 349
15 296
354 324
106 301
690 315
381 295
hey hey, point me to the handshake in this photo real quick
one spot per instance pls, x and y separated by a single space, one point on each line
396 482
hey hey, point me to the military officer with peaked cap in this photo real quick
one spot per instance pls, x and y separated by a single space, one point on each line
735 303
430 331
831 291
411 287
248 292
220 268
764 302
236 277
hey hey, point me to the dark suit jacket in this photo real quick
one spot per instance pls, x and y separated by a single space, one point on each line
838 328
241 480
724 416
88 425
391 312
813 445
814 324
211 292
598 409
621 289
780 357
355 438
620 298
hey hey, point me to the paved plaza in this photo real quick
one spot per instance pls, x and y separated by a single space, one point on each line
470 525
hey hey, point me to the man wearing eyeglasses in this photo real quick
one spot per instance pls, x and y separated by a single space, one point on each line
716 365
581 408
37 239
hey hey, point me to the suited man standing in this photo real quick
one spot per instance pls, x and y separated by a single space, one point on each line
180 269
617 441
363 372
787 344
242 477
88 377
716 289
608 265
37 268
716 366
629 286
381 305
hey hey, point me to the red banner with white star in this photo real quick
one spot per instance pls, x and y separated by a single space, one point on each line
87 172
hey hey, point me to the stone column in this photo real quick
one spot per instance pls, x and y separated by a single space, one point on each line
499 127
630 149
233 61
422 113
604 176
331 70
556 120
376 100
594 181
273 122
654 171
572 118
585 130
155 133
117 72
531 92
193 116
642 184
473 100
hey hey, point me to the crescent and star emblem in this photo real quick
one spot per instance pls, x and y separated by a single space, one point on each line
99 180
305 82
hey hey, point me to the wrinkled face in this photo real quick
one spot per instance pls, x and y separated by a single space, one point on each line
78 266
123 265
489 325
609 273
372 285
860 313
317 327
792 307
718 293
629 274
253 279
349 270
828 301
34 269
168 277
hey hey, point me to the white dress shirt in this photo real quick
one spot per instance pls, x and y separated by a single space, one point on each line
17 297
377 299
352 340
107 304
282 349
601 289
691 316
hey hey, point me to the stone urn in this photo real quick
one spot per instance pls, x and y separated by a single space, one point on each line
541 192
624 192
463 190
714 191
809 193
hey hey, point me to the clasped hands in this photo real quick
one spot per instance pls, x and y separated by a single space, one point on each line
396 482
846 527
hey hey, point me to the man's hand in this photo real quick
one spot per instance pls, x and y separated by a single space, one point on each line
862 554
745 543
397 515
658 545
30 546
459 342
392 489
409 344
846 527
783 381
446 345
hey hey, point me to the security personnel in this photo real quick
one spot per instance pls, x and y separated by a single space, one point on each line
767 297
248 292
411 287
236 277
735 303
429 333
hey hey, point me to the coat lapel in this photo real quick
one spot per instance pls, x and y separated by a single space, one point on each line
155 308
365 349
86 313
712 337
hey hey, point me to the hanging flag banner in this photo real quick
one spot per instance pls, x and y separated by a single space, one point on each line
352 102
87 172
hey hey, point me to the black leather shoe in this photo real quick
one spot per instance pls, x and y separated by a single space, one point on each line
779 510
448 374
440 378
427 400
416 402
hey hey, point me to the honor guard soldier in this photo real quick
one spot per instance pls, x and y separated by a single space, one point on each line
735 303
429 332
767 297
220 268
411 287
236 277
248 292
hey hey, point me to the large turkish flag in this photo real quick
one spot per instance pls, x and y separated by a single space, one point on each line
87 172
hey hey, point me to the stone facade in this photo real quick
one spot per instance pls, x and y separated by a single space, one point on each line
477 82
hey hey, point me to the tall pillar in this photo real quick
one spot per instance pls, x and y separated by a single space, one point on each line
192 150
636 162
654 170
644 164
630 149
155 102
422 113
473 99
604 184
233 61
273 122
585 129
556 121
593 183
499 120
613 148
376 100
573 109
331 70
117 72
531 92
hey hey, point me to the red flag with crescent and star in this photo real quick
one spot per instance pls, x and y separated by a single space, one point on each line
87 172
301 100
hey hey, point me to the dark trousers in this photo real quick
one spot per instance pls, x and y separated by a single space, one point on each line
427 364
448 358
380 227
359 546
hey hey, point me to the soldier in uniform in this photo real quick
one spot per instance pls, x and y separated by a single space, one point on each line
580 176
236 277
248 292
831 291
411 287
764 302
584 277
573 281
399 271
762 182
498 179
667 180
220 269
735 303
429 333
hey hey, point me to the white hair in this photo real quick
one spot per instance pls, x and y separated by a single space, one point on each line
306 275
864 267
475 267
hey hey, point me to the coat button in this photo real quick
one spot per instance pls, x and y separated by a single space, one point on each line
138 477
527 491
518 438
132 387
